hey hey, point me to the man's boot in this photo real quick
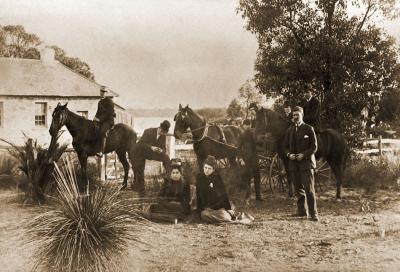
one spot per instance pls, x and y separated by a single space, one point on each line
103 146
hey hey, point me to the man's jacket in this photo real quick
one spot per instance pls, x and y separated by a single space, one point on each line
149 137
302 141
105 110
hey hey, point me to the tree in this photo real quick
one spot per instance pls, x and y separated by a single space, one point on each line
15 42
347 59
75 64
234 109
247 95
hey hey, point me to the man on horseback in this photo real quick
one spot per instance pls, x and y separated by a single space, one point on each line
312 110
300 145
151 146
105 116
253 108
247 155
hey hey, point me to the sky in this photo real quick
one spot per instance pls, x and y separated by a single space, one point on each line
154 53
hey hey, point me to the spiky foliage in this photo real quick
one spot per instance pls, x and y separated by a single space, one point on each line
84 232
36 162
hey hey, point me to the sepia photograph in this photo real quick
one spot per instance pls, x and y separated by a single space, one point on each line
199 135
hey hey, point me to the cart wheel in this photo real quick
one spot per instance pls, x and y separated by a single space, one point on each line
264 171
277 175
322 174
223 163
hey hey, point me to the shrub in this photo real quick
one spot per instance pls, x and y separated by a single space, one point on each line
7 165
83 232
36 163
373 173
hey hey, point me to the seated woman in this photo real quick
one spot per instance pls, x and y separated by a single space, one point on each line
174 197
213 203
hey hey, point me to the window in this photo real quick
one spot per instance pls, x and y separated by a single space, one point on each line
1 114
83 114
40 114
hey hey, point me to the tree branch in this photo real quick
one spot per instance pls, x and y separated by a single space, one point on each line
360 26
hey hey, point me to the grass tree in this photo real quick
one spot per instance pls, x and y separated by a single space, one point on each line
84 232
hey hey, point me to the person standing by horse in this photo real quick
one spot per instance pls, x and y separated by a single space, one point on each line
151 146
247 156
312 109
105 116
300 146
287 110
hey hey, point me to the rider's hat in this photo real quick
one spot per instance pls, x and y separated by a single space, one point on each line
103 89
165 125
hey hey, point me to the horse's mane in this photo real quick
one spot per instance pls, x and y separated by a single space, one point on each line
203 119
79 117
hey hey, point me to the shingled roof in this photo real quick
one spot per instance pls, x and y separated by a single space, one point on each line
27 77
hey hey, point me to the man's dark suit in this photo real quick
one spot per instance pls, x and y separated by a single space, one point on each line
247 150
142 152
302 139
312 113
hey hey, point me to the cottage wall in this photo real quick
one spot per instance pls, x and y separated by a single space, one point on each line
19 117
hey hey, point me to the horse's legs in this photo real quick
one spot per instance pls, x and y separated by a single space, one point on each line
84 179
122 158
337 169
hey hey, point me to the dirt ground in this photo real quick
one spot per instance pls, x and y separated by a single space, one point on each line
361 233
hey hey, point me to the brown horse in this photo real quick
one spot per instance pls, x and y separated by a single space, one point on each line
219 142
121 139
332 146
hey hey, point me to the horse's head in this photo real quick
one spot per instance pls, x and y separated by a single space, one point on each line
182 121
59 119
269 121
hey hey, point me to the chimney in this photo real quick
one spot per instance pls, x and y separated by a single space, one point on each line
48 56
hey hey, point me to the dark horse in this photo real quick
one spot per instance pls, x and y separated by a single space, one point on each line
121 139
331 144
219 142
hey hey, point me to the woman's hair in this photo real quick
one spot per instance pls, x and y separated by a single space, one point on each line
211 161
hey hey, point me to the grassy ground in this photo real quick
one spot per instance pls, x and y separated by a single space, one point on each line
349 237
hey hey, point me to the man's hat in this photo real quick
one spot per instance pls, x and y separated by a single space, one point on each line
165 125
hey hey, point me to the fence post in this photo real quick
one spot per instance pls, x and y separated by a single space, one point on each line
170 146
380 145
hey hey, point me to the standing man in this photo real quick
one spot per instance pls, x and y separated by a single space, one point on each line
312 110
151 146
288 112
300 147
247 156
105 116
